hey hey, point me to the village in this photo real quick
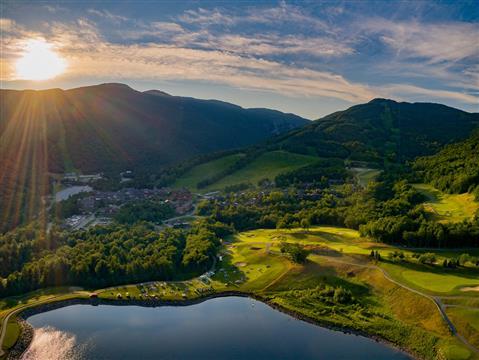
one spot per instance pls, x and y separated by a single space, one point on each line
97 207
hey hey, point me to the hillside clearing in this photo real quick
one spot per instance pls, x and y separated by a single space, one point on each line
365 175
203 171
267 165
448 207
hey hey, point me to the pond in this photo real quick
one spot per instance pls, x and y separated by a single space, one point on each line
220 328
70 191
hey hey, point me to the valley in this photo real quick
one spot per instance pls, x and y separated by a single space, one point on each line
345 236
241 180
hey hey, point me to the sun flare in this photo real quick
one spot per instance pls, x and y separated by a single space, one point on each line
39 61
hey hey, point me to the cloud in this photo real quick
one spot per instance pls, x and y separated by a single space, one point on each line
54 8
275 44
282 49
89 54
399 90
281 14
207 17
105 14
285 13
434 42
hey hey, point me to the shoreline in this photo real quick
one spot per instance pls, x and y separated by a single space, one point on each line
26 336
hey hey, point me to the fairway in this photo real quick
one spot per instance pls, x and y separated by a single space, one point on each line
365 175
448 207
251 263
267 165
203 171
438 282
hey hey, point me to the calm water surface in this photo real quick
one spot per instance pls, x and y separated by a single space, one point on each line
221 328
70 191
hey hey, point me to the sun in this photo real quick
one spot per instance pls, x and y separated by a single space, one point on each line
39 61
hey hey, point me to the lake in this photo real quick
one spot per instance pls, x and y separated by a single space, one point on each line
220 328
70 191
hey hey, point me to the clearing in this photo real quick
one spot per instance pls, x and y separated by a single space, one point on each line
448 207
203 171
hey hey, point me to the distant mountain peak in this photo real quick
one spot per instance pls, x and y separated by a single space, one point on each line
156 92
381 100
115 85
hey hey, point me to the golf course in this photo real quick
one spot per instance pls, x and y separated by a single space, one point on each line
427 310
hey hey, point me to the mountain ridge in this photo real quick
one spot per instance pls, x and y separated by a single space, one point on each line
381 129
109 128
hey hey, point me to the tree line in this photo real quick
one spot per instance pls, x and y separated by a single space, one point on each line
109 255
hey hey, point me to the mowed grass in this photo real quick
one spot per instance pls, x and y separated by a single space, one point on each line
203 171
387 310
365 175
448 207
438 282
267 165
335 241
251 263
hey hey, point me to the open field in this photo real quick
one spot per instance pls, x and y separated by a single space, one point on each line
365 175
448 207
204 171
467 322
380 306
267 165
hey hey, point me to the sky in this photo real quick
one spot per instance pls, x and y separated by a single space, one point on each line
305 57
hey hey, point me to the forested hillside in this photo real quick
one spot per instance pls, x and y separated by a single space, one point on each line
455 169
112 127
382 130
379 134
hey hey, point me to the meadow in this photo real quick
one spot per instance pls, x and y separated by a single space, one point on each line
203 171
448 207
267 165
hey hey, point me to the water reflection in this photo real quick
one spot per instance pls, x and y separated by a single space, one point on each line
52 344
222 328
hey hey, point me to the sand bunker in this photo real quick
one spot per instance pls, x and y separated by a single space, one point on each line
241 264
470 288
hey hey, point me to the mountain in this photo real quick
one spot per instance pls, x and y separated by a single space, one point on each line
381 130
111 127
455 169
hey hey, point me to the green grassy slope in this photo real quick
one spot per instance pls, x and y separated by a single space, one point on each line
268 165
448 207
205 170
